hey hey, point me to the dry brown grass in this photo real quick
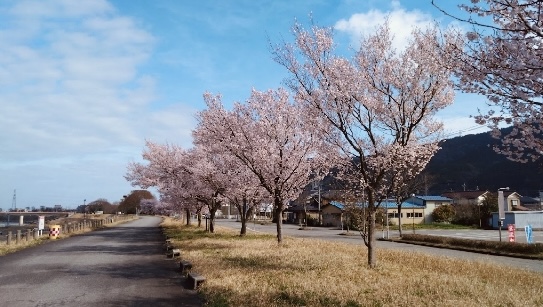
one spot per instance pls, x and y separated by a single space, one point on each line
7 249
255 271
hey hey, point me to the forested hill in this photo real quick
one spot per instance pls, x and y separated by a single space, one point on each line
470 160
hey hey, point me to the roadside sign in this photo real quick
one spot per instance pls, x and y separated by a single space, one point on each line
41 222
528 230
511 230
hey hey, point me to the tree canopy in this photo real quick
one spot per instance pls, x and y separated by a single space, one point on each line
503 60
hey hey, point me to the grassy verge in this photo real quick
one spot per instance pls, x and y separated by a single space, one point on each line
408 227
255 271
524 250
7 249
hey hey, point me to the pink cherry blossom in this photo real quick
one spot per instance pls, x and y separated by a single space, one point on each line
376 108
270 136
503 61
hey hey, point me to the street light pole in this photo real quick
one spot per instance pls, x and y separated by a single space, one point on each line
480 222
320 214
413 217
501 209
386 213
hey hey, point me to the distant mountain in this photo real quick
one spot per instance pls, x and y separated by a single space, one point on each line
470 163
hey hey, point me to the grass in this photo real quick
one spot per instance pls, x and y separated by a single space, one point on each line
256 271
533 251
7 249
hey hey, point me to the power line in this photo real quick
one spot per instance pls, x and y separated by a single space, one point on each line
460 132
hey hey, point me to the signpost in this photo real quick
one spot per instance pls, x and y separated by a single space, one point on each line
501 209
41 223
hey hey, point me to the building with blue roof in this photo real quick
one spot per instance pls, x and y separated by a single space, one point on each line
415 210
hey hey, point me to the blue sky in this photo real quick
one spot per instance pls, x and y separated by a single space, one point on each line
84 83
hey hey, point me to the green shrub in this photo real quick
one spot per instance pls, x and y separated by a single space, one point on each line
443 214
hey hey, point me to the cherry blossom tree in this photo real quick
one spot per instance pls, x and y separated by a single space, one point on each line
243 190
149 206
183 177
503 61
271 136
381 103
166 169
209 172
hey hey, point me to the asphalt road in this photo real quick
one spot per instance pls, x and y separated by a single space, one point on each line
323 233
120 266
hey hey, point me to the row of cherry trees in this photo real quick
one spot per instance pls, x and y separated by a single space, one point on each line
369 117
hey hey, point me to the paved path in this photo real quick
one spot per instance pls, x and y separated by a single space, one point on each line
120 266
333 235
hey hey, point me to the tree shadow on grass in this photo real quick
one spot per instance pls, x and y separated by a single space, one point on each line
258 262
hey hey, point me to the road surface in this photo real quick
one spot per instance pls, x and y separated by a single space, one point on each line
119 266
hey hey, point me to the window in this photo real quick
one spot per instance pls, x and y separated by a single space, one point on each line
514 202
394 215
417 214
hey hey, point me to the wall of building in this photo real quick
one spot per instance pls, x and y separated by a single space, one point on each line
407 214
520 219
331 216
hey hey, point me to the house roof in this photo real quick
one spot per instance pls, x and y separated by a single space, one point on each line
337 204
298 208
521 208
433 198
508 193
404 205
529 200
384 204
464 194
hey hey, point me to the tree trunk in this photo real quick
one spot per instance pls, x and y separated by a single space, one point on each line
279 225
243 213
400 219
212 213
243 231
303 222
372 261
279 219
187 211
199 219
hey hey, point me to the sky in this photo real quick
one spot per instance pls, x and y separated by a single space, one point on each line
84 83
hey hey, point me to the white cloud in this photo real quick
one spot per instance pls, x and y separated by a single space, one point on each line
173 125
75 105
402 23
73 85
59 8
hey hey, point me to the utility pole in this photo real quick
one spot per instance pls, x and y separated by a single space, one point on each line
13 204
14 201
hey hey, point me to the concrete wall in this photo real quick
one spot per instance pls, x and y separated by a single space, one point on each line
520 219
